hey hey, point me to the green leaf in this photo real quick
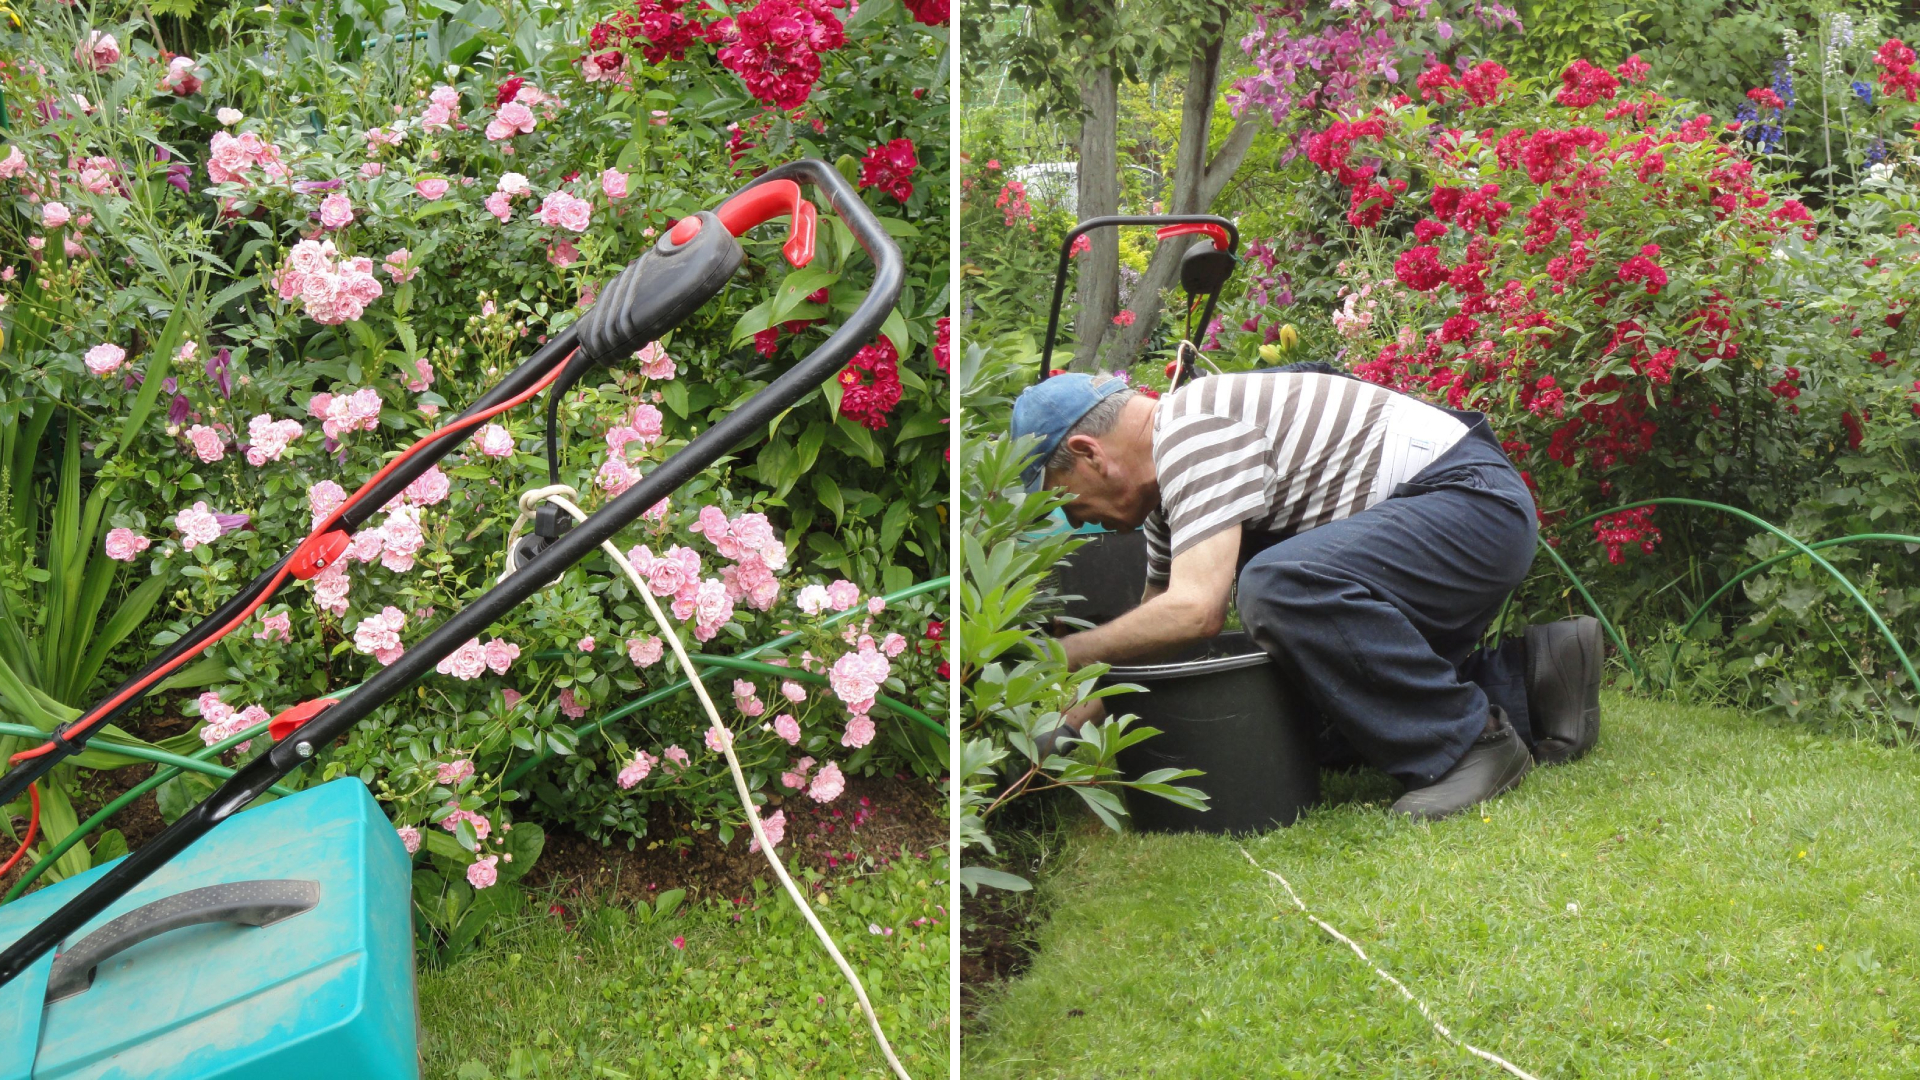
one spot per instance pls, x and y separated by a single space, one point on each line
830 497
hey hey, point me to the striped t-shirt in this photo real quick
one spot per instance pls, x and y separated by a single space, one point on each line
1281 453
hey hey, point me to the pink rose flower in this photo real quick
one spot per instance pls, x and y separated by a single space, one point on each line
585 644
718 738
208 446
564 211
53 215
371 169
677 756
796 777
570 706
453 772
501 655
894 645
482 873
812 599
875 605
514 118
843 594
644 652
467 662
787 728
409 838
495 441
379 636
125 545
613 184
268 439
637 769
336 211
827 784
654 361
323 499
99 52
859 732
275 627
399 266
197 526
793 691
430 189
499 205
105 359
775 827
428 489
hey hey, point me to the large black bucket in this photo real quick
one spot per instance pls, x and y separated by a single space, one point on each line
1221 708
1106 574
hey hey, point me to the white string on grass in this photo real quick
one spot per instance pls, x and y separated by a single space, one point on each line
562 496
1397 984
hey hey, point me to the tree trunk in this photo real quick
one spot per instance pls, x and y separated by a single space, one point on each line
1098 186
1197 182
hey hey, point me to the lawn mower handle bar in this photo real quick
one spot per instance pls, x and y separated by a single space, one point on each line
1087 226
253 779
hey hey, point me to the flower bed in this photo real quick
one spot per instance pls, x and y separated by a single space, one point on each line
242 278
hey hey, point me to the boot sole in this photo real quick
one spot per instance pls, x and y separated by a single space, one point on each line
1571 675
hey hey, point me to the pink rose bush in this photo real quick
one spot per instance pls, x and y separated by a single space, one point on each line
331 289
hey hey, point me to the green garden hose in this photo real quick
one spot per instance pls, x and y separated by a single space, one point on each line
1886 632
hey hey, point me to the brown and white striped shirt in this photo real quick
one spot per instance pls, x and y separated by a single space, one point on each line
1281 453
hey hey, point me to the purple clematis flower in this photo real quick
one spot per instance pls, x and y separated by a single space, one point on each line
232 522
219 369
181 408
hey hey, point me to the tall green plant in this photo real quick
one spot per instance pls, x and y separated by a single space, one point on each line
1014 678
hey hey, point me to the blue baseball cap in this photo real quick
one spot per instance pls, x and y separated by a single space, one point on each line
1050 408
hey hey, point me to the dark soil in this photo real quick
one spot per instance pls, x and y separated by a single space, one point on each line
872 823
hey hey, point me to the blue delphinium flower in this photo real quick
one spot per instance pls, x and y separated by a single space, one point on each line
1746 114
1783 82
1863 91
1877 152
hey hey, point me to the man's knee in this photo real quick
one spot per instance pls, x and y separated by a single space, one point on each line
1277 596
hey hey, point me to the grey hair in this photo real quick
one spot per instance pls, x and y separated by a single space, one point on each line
1099 421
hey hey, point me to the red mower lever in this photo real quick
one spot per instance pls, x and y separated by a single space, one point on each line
291 720
318 552
1188 228
761 204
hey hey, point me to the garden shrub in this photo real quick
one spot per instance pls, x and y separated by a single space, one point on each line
249 275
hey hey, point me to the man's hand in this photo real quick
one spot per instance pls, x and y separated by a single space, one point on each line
1084 713
1193 607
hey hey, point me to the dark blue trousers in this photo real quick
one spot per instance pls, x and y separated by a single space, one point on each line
1378 617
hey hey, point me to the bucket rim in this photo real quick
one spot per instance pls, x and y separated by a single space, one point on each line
1186 668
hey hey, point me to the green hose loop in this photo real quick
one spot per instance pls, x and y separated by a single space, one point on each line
631 707
1906 662
1605 623
127 797
1673 651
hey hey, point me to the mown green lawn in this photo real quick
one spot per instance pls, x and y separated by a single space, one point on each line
614 996
1706 894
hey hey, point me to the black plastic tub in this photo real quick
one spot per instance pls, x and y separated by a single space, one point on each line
1221 708
1106 575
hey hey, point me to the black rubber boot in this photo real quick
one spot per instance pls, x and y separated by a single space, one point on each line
1564 662
1494 763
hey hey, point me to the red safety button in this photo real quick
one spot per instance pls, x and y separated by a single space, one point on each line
292 719
316 553
685 229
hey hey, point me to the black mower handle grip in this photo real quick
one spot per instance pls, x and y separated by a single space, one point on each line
248 903
1105 221
747 422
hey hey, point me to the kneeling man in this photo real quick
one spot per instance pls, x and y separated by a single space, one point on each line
1372 537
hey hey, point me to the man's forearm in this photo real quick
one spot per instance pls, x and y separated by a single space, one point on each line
1162 623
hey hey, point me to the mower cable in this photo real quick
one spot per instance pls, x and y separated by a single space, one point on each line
1484 1055
562 496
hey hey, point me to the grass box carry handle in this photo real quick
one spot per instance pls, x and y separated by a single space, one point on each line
246 903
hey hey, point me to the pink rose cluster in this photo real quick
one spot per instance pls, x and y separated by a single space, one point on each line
775 826
332 289
268 439
394 541
379 635
840 596
197 526
510 187
514 116
232 157
677 574
654 362
824 786
125 545
757 555
561 210
472 660
857 676
443 104
340 412
323 499
636 770
645 652
223 721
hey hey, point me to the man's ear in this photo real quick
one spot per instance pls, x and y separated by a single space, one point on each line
1087 447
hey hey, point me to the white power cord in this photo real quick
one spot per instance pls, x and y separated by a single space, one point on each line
1397 984
562 496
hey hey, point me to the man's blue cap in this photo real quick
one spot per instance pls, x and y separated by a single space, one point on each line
1050 408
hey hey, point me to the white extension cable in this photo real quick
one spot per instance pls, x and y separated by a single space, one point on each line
562 496
1446 1034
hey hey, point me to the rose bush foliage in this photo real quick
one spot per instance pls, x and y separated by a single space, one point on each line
276 262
